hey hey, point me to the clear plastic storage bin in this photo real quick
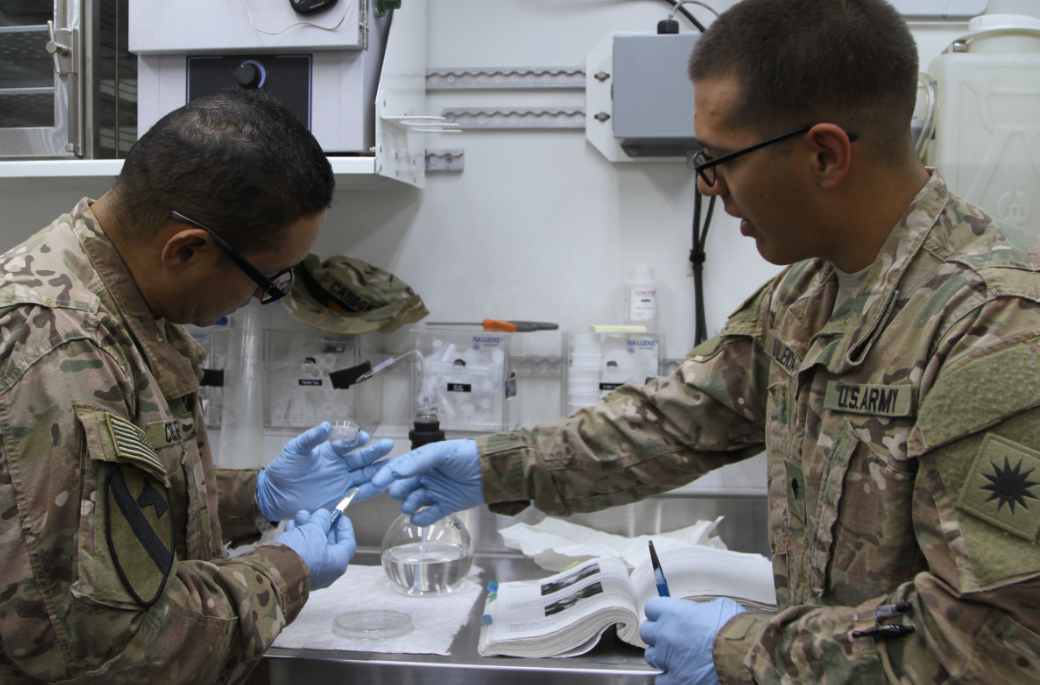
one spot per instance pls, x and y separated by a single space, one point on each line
468 375
299 390
596 364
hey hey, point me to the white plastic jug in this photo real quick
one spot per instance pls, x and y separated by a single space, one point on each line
987 121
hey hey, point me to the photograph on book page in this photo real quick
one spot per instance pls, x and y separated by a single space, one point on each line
593 586
570 579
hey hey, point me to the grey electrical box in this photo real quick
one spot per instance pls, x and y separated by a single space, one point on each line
653 96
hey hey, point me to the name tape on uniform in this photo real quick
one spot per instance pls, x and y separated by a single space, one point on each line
862 398
782 354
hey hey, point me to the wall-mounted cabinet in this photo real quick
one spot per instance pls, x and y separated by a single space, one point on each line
68 84
361 90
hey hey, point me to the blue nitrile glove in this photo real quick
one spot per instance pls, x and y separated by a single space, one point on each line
443 475
312 473
326 549
680 634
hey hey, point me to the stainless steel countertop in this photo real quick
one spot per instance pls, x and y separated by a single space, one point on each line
611 662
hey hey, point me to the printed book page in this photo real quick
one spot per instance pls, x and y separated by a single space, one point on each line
565 614
531 609
705 573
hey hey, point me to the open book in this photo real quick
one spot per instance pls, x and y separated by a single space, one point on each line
565 614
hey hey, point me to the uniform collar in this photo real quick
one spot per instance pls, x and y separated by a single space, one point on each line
862 317
170 355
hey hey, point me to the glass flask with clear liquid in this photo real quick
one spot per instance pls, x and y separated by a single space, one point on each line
427 561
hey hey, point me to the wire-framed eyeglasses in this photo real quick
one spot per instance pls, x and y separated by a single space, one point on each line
705 165
274 288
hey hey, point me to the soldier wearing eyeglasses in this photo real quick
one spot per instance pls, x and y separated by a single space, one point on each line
113 517
891 373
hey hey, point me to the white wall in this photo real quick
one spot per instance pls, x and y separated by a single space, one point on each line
539 225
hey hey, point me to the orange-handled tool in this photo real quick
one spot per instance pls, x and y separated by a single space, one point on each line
508 326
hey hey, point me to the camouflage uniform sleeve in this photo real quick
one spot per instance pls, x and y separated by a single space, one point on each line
240 519
640 441
974 614
64 614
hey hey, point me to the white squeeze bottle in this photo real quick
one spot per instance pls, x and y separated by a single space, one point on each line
641 298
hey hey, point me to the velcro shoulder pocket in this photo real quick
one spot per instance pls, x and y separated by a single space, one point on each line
126 536
975 396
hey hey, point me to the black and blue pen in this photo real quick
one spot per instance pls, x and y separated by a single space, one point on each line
662 584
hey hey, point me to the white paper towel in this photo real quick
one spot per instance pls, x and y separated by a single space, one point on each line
556 544
435 620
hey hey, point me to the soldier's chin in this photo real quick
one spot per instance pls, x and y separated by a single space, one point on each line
771 254
204 323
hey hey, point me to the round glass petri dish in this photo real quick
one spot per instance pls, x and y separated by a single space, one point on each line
371 625
344 432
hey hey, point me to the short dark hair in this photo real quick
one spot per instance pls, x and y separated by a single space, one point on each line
238 162
797 62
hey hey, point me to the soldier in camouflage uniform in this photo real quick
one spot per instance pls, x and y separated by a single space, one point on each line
900 415
112 515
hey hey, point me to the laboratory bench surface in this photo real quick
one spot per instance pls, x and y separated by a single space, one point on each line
611 662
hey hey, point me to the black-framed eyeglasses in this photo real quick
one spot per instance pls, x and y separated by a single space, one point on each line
274 288
705 165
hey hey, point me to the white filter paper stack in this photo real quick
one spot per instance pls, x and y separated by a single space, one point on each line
555 544
435 620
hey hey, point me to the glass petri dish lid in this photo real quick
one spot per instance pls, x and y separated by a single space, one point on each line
371 625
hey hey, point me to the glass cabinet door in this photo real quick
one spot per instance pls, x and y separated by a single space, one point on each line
38 61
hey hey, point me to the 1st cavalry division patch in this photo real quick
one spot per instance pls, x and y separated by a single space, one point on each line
140 531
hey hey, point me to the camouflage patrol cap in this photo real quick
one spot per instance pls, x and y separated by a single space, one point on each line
349 296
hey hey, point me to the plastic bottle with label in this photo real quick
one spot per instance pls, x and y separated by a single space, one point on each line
641 298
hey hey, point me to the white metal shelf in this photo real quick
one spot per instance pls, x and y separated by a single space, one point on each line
351 173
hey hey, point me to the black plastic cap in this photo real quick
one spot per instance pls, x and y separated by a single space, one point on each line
425 432
666 26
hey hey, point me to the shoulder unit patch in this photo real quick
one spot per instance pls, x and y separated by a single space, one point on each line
140 530
1003 487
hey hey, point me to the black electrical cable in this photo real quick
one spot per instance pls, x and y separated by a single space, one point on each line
686 13
697 257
